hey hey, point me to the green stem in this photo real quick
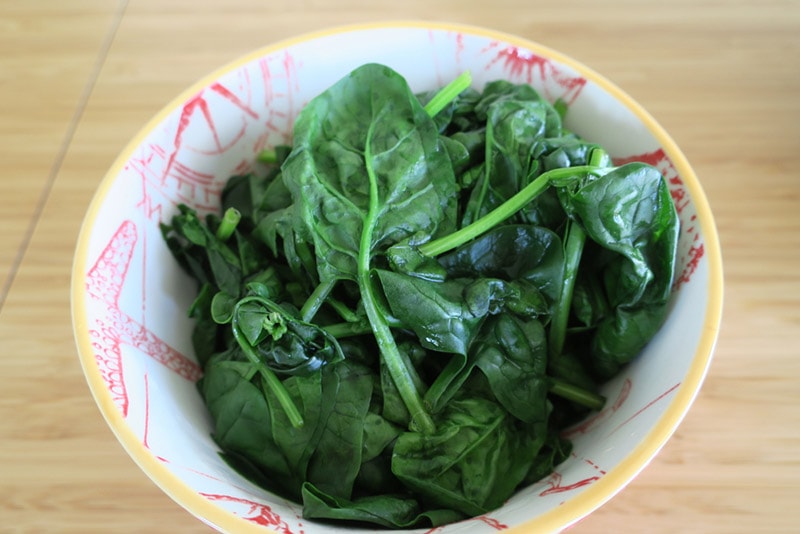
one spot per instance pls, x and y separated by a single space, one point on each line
574 242
576 394
267 156
573 250
356 327
448 93
347 329
483 183
230 219
306 256
315 301
341 308
501 212
561 107
449 381
401 376
274 383
599 158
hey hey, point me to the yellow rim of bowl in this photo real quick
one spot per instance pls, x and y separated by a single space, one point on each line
572 510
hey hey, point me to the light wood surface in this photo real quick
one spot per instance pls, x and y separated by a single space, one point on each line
79 78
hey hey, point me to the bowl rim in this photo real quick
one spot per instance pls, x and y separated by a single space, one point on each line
561 517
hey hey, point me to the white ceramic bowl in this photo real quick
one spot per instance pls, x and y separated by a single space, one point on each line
130 297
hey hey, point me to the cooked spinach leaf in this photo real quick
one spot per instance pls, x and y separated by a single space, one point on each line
512 252
472 462
512 353
385 510
629 212
368 170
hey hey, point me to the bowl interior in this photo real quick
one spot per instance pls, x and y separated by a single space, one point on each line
130 298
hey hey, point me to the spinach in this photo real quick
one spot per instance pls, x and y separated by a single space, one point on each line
514 130
282 341
627 212
438 312
399 313
205 334
335 464
471 463
513 355
199 250
369 170
512 252
241 417
553 452
385 510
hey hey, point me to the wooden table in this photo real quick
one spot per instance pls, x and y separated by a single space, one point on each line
79 78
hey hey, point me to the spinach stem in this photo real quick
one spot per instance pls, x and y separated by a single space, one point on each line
442 390
448 93
344 312
576 394
306 257
574 241
483 182
403 379
230 220
356 327
599 158
274 383
561 107
267 156
315 301
348 329
573 250
501 212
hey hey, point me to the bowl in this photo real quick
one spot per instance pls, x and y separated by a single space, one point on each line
130 298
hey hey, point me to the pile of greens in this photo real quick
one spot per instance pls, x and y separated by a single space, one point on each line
399 313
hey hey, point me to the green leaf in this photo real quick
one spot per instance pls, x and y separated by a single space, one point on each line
368 170
336 461
297 444
513 136
378 434
241 418
201 253
222 307
629 212
512 252
388 511
367 159
439 312
283 342
554 452
512 353
205 332
472 463
503 90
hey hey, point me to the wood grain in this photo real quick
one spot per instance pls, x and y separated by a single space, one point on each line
48 54
722 76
